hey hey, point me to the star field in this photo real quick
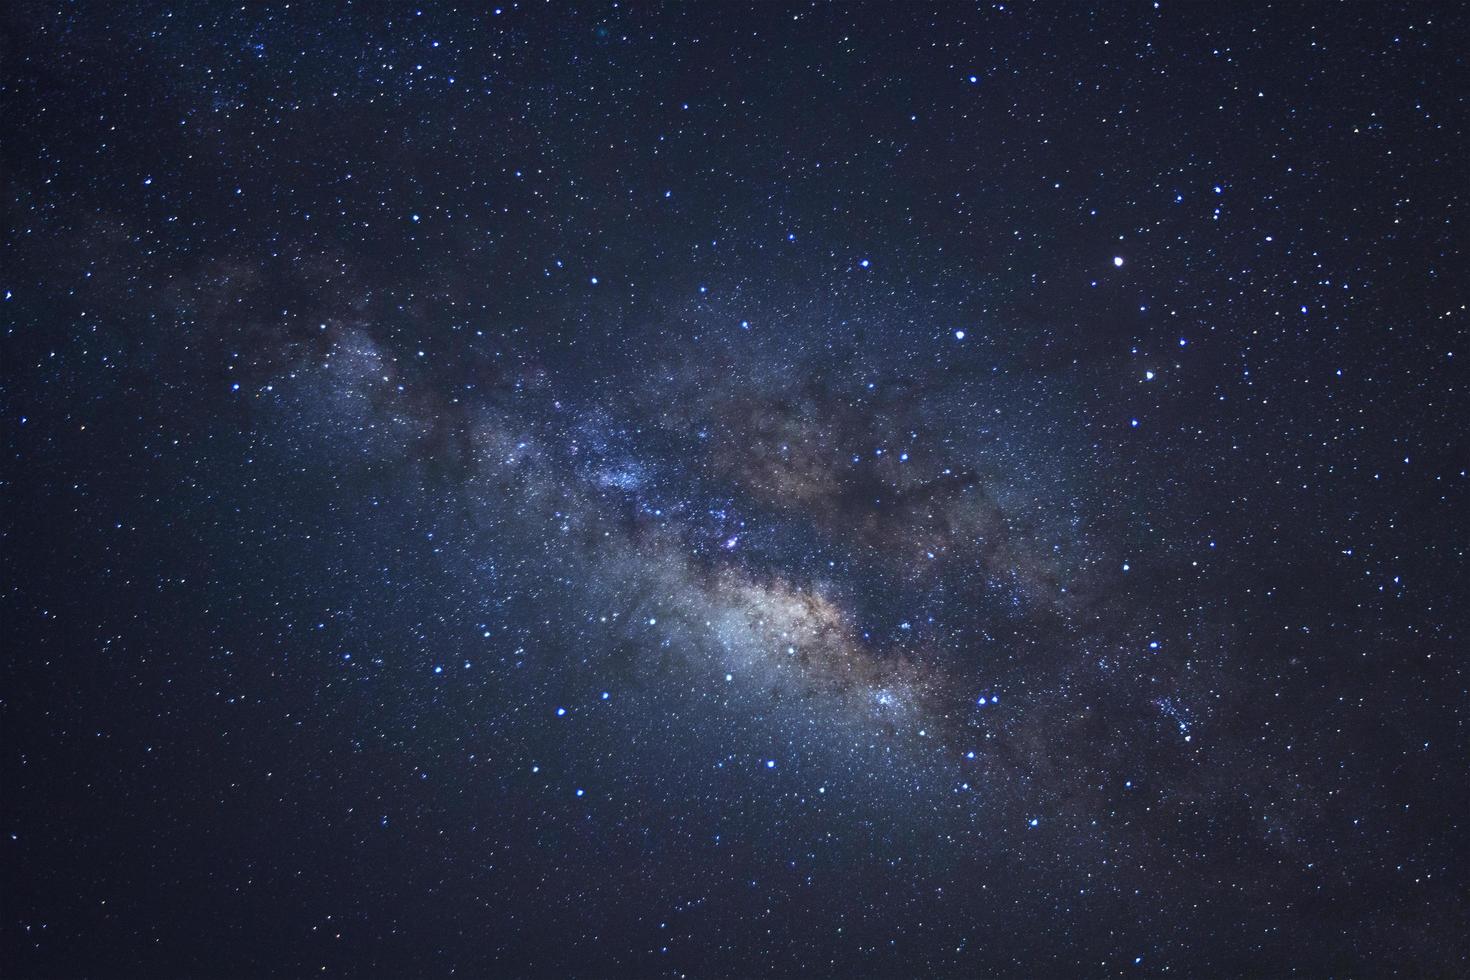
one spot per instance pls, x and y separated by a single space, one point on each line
720 490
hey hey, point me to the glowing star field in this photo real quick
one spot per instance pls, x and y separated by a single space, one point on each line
734 491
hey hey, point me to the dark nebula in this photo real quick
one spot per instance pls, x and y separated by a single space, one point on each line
701 490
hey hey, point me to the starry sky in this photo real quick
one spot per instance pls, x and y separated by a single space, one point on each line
713 490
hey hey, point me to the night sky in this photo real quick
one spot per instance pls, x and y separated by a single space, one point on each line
617 490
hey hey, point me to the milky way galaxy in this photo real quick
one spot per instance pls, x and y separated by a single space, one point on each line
734 491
